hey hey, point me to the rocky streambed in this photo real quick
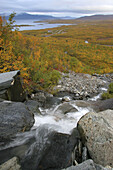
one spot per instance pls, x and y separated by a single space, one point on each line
59 131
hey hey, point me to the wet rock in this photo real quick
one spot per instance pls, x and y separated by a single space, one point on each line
12 164
51 101
43 148
40 97
49 147
81 103
96 131
11 86
65 108
14 118
45 99
33 106
103 105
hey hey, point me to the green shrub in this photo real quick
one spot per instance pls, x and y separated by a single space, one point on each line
109 93
110 90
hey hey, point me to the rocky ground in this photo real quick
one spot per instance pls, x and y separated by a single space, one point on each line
87 146
83 85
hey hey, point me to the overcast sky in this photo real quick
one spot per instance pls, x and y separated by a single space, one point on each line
58 7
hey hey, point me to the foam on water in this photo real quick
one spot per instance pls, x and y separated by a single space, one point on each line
65 122
95 97
103 89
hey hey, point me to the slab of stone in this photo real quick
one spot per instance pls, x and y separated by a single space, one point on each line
96 131
12 164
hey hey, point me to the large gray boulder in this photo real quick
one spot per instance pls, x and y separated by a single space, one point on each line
11 86
43 148
52 149
14 118
96 131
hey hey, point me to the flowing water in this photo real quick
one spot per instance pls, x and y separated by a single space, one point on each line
63 123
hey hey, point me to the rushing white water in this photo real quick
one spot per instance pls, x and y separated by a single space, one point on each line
103 89
65 122
95 97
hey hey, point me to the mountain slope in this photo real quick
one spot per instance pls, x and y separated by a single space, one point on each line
97 17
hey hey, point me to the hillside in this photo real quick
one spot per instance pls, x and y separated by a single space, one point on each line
41 55
96 17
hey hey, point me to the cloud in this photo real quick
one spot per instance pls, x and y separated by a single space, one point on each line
57 6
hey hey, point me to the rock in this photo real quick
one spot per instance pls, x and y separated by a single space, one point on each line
81 103
66 99
87 165
40 97
45 99
11 164
100 167
33 106
65 108
96 131
43 148
51 101
14 118
11 87
52 150
81 85
103 105
84 154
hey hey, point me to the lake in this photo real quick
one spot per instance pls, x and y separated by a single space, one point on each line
35 26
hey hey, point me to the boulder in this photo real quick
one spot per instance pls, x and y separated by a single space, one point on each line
11 86
14 117
11 164
33 106
52 149
45 99
51 101
87 165
96 131
43 148
103 105
82 103
65 108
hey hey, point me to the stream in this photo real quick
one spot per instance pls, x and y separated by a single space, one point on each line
54 128
63 123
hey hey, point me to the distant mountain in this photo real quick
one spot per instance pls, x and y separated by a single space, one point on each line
25 16
97 17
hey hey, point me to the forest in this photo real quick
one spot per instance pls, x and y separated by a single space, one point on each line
41 55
